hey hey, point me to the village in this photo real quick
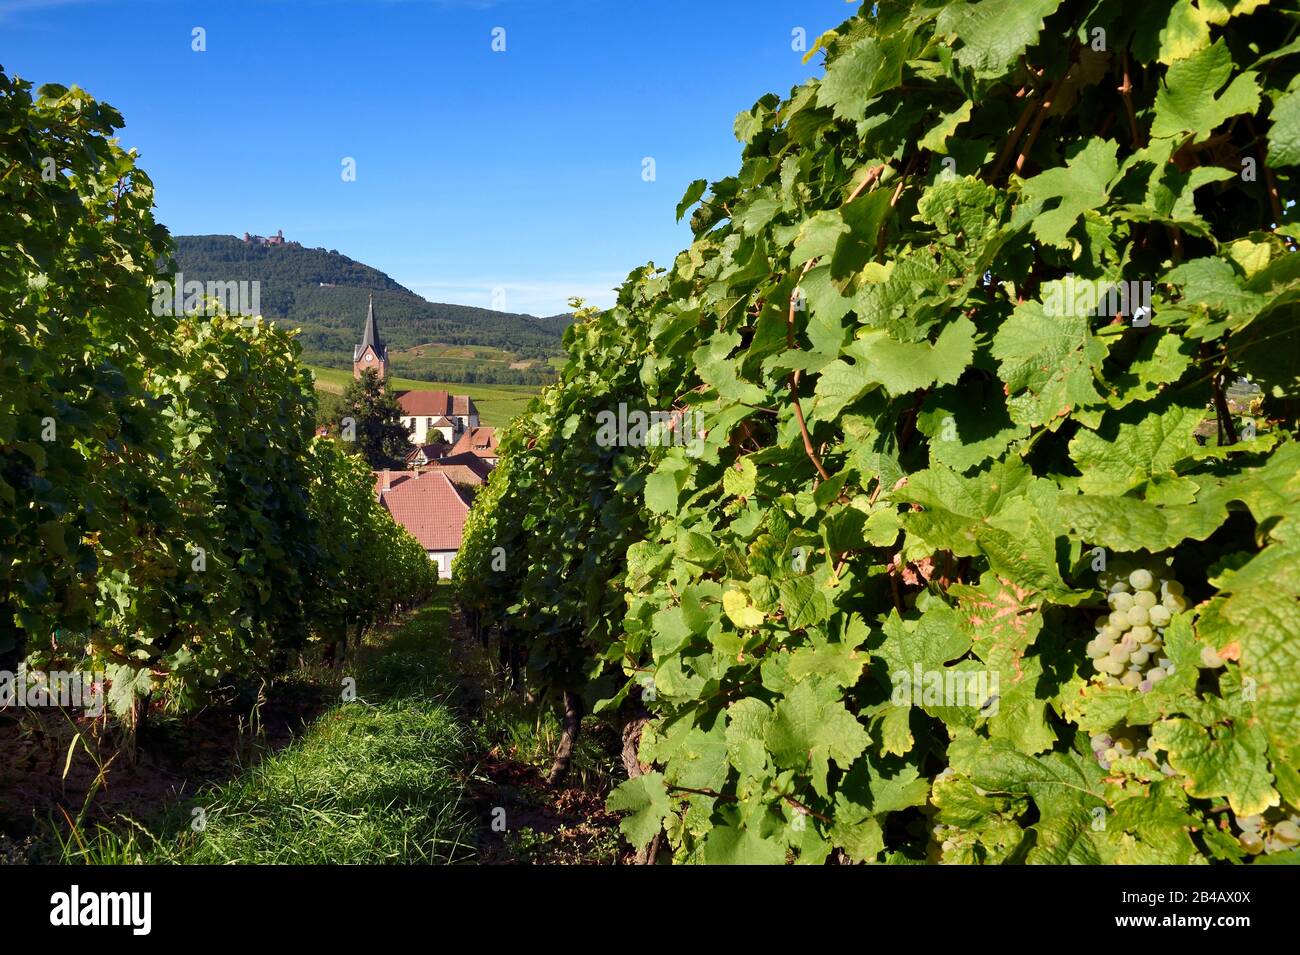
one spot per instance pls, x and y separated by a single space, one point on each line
451 456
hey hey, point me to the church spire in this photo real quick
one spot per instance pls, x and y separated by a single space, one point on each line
371 334
371 353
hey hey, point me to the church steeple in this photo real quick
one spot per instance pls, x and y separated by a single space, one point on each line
372 352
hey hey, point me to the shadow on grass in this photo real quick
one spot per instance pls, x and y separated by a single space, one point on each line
373 780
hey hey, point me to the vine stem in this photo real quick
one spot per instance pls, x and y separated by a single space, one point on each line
1125 89
1030 104
1226 428
893 201
1043 110
1270 183
795 375
909 426
803 427
872 175
701 792
901 482
894 590
806 809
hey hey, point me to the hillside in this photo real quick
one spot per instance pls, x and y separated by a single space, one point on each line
324 293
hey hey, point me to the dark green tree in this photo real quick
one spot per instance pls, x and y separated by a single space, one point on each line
376 424
329 408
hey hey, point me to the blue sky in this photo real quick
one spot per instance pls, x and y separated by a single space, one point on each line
475 170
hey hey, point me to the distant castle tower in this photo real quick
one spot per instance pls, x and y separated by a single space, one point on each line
372 352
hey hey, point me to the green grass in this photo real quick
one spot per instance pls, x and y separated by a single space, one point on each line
376 780
497 404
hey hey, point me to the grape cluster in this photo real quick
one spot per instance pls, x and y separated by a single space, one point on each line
943 839
1128 647
1120 743
1271 832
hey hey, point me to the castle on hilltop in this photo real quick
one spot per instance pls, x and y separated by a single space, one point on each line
277 239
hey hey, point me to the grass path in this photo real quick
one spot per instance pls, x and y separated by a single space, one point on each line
376 780
422 767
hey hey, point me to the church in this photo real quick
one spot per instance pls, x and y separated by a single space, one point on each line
432 498
425 414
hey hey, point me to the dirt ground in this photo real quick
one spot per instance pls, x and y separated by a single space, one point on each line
51 759
565 824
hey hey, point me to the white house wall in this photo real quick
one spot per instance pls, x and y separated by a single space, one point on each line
443 559
417 429
420 432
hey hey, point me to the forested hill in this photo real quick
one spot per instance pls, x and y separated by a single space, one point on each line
324 293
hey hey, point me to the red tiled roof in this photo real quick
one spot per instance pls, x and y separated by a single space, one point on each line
422 403
459 474
429 506
431 451
465 468
425 403
479 441
467 459
394 478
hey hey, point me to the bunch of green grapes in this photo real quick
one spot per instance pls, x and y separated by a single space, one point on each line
1276 830
1122 742
942 838
1128 648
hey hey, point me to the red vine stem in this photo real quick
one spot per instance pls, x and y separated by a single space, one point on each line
1125 89
805 809
1270 184
1043 109
1010 145
872 175
795 375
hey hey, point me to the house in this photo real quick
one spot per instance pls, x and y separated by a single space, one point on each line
480 442
431 509
424 413
423 454
465 470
